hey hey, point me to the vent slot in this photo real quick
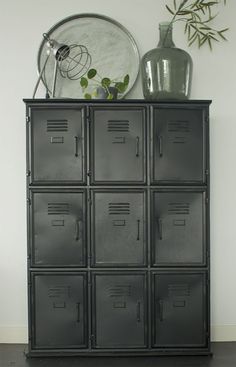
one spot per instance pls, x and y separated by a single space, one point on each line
179 208
179 126
178 290
58 208
119 290
119 208
57 125
59 291
118 126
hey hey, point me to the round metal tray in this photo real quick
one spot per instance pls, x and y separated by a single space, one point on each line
112 48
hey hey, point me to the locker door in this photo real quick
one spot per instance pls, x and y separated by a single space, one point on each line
179 310
119 228
59 311
118 145
178 232
119 311
178 145
58 229
57 145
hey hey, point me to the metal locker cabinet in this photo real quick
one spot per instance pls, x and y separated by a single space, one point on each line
118 136
178 145
57 144
180 310
119 310
58 228
119 228
178 228
59 310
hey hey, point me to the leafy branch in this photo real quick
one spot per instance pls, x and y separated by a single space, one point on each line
197 15
103 82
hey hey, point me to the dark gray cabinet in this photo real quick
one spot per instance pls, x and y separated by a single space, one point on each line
59 310
119 310
122 133
118 227
178 228
179 150
58 228
57 144
179 306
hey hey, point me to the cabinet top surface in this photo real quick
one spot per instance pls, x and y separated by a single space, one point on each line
115 102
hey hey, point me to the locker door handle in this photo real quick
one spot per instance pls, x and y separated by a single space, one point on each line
160 144
138 311
138 230
76 146
160 228
78 312
77 229
137 146
160 309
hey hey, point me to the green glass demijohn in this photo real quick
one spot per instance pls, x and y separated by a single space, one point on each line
166 70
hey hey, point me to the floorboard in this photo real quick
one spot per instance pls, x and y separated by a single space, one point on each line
224 355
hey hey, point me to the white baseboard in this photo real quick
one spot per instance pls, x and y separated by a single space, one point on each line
223 333
19 334
13 334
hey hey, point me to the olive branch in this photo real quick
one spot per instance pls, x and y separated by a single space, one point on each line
197 16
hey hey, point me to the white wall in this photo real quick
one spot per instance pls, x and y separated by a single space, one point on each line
21 26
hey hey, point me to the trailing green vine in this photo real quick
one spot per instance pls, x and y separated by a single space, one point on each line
102 82
197 16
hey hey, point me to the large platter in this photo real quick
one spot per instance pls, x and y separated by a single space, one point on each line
113 51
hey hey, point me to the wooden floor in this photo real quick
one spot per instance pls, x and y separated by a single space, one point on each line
224 355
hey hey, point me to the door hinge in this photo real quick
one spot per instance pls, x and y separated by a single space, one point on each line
29 201
28 173
88 173
206 119
27 119
207 200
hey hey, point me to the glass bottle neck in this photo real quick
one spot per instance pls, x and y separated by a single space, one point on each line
166 40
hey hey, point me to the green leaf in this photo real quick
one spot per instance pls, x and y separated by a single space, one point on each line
186 27
126 80
84 82
215 39
110 96
205 28
203 40
222 36
195 4
169 10
184 12
199 40
87 96
106 82
193 39
91 73
121 87
209 43
224 30
193 35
